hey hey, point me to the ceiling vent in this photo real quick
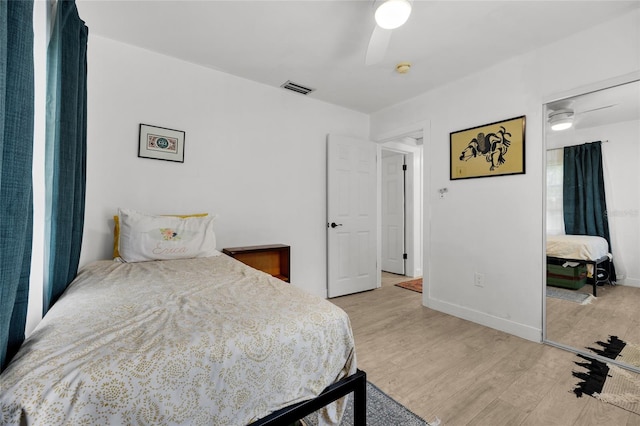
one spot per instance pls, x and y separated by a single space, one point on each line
290 85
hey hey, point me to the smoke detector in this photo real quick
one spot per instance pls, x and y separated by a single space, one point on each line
403 67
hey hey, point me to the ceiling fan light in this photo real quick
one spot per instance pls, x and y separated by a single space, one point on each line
392 14
561 119
562 125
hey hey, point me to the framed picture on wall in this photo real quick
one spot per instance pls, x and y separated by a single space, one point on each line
161 143
494 149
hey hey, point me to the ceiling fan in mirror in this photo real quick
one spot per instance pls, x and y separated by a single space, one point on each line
562 114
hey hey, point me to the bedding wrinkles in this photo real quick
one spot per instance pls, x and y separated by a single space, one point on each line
191 341
585 247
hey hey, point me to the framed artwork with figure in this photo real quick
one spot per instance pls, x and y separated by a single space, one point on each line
161 143
494 149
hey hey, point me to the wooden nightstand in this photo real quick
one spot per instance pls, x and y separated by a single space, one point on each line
272 259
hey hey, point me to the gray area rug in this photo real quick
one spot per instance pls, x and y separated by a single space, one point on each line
382 410
570 295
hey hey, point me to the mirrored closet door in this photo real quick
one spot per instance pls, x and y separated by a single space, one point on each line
601 135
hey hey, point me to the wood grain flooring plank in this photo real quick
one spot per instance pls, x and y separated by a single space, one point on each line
499 412
466 374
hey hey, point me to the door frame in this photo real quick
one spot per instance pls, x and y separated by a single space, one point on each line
424 179
414 204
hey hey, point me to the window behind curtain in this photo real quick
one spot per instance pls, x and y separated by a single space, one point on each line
555 220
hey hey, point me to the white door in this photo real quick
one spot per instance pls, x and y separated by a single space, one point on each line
352 217
393 244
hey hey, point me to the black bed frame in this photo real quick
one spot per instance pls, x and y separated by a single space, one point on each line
356 383
594 278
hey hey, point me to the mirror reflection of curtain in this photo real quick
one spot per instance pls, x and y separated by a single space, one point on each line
585 208
66 142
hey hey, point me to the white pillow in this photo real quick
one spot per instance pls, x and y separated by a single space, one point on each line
146 237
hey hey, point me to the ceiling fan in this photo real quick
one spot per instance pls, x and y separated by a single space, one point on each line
562 115
389 14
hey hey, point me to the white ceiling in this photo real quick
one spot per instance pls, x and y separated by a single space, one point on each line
322 44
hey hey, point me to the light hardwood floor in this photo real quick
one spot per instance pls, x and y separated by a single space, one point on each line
615 312
466 374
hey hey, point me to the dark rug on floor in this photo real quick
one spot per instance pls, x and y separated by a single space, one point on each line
608 382
382 410
570 295
414 285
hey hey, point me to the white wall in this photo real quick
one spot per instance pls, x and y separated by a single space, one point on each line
495 225
254 155
621 157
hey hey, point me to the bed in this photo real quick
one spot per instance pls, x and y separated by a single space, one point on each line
582 249
205 340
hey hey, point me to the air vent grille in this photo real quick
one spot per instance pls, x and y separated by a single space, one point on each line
295 87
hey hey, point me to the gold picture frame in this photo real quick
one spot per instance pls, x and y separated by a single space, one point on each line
494 149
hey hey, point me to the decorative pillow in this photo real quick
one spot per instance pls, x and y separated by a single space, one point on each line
116 229
146 237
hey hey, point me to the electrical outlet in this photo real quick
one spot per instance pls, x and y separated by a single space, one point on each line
478 279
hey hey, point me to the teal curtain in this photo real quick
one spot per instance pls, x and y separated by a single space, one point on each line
66 142
585 207
16 157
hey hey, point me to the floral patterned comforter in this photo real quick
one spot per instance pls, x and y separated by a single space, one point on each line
206 341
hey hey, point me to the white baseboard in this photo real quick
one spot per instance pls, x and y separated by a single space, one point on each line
629 282
517 329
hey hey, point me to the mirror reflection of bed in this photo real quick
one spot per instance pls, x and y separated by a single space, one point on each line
575 319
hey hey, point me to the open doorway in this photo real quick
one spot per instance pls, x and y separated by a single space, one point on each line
349 250
401 231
